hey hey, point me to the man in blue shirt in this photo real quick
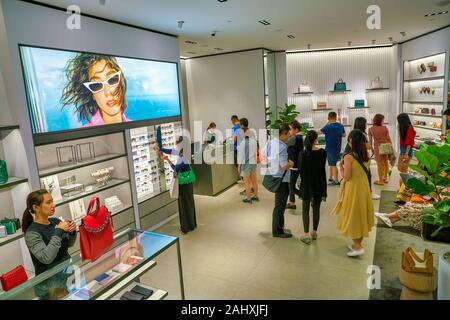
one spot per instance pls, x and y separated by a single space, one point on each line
333 131
279 166
235 136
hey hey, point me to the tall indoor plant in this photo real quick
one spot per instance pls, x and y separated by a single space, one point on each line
286 114
434 165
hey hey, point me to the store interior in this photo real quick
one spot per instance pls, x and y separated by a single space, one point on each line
178 80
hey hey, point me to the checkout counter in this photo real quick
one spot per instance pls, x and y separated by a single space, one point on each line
214 167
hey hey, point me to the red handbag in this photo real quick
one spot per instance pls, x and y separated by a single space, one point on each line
13 278
96 232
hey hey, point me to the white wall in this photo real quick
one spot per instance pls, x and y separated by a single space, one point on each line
357 67
222 85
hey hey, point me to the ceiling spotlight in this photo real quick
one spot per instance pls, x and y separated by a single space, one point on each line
391 39
443 12
349 43
180 24
191 52
290 36
264 22
373 41
403 33
213 34
218 49
222 0
309 46
190 42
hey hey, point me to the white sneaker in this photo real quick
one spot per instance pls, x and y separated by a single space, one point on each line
384 217
355 253
375 196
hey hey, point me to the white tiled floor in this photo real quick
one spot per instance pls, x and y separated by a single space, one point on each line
232 255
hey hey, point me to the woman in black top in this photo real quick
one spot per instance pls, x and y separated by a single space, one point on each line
313 186
48 239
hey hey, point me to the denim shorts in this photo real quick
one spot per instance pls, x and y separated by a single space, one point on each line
248 169
333 158
403 151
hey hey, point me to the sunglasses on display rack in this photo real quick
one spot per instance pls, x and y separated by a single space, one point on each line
97 86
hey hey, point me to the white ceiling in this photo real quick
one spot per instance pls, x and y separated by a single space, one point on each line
321 23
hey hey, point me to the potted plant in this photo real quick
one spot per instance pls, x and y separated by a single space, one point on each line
434 165
285 115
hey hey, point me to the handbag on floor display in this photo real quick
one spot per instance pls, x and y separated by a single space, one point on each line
376 83
412 262
3 172
340 85
385 148
96 232
185 177
13 278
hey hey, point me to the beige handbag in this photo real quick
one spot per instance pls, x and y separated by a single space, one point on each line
385 148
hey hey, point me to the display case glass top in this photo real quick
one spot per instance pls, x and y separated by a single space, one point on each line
75 280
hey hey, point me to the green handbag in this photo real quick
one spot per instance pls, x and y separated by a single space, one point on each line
10 227
185 177
3 172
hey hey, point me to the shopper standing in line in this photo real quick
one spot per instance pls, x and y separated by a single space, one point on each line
277 157
295 146
186 203
235 136
407 135
247 162
379 134
313 185
447 122
334 132
355 207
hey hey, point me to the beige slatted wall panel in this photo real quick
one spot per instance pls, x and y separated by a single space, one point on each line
357 67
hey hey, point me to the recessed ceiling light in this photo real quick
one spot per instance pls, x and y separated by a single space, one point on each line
222 0
190 42
290 36
443 12
431 14
264 22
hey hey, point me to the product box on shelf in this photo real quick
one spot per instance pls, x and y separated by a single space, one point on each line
51 184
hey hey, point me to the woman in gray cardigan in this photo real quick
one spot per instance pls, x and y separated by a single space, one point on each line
48 239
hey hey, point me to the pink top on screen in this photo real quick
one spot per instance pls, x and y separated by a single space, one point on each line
97 120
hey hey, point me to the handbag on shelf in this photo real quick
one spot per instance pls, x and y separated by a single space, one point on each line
412 262
16 222
385 148
96 232
425 110
359 103
10 227
13 278
340 85
376 83
321 105
3 172
185 177
304 87
433 111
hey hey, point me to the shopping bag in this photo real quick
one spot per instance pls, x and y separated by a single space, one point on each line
174 188
96 233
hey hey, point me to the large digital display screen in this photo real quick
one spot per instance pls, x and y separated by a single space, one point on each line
69 90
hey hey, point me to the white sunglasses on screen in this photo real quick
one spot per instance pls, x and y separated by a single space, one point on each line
97 86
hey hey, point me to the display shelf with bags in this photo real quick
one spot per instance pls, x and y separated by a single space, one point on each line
425 68
131 256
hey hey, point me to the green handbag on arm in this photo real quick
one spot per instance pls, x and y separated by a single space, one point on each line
3 172
185 177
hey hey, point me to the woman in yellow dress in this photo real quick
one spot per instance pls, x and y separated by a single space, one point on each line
355 207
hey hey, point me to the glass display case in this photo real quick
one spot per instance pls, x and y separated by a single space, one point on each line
110 277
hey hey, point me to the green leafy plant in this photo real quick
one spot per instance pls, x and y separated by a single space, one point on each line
434 165
285 115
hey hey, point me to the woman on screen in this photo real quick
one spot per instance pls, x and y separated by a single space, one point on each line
96 87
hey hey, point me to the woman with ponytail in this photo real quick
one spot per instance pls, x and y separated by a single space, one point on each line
313 185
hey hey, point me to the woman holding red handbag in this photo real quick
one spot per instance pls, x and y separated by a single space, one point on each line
47 238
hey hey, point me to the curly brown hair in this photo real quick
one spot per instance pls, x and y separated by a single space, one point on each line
75 93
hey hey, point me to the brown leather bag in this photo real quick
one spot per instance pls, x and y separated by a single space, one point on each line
411 262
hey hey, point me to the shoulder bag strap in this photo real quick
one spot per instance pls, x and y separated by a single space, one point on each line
369 175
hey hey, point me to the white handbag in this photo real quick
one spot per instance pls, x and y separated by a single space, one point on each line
376 83
174 188
304 87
